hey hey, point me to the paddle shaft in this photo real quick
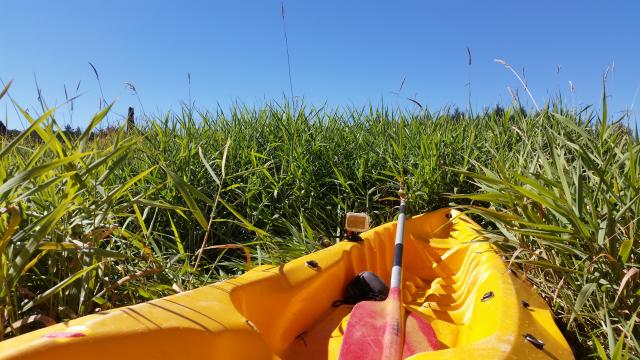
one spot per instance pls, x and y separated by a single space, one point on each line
396 270
393 337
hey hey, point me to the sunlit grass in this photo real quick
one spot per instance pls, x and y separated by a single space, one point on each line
566 210
111 217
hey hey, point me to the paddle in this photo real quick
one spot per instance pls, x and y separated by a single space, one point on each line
376 329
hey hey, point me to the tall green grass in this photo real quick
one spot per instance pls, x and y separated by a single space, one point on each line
112 217
567 210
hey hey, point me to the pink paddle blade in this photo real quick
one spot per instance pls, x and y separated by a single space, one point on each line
418 336
371 330
374 331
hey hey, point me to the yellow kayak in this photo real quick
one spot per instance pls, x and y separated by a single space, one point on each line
476 306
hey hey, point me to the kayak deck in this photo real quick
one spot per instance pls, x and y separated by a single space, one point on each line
451 278
462 305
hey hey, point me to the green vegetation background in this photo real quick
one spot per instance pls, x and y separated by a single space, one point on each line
102 218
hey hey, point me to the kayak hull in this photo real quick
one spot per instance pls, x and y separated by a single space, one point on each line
451 278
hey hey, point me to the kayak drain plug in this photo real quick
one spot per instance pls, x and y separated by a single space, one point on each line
312 264
539 344
488 295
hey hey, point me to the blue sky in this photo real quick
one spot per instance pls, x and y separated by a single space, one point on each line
342 52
